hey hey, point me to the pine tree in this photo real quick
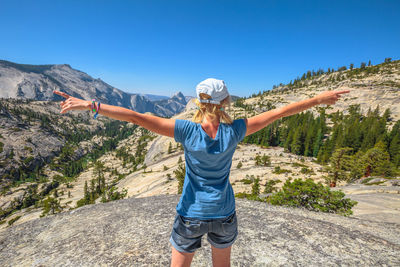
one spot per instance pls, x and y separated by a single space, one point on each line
376 161
394 149
103 184
86 192
170 148
92 191
288 141
386 115
255 189
180 176
317 143
50 205
339 165
308 142
297 143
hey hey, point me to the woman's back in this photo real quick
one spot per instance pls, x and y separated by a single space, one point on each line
207 192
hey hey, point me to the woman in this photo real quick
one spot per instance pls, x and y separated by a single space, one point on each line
207 204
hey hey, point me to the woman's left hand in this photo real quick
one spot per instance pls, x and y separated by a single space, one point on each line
72 103
330 97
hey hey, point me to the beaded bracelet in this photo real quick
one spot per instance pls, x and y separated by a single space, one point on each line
93 105
97 111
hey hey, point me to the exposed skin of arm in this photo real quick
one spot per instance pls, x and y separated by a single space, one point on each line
258 122
153 123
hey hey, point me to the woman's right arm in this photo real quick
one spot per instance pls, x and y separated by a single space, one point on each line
155 124
258 122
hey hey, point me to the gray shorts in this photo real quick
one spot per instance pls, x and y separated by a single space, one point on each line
187 232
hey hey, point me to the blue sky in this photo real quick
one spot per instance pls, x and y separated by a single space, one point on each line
160 47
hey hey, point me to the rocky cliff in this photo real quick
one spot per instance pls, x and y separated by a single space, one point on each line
135 232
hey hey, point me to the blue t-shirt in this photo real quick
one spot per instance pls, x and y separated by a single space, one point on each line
207 192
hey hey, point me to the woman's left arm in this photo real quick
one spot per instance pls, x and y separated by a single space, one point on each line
258 122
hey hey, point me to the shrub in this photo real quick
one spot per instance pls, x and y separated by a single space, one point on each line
60 179
239 165
28 160
15 129
255 189
270 186
10 222
50 205
306 170
248 196
113 194
28 148
312 196
263 161
278 170
295 164
366 180
246 181
376 183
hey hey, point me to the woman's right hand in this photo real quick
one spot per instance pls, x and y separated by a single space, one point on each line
330 97
72 103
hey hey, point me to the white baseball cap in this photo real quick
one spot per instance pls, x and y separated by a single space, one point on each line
214 88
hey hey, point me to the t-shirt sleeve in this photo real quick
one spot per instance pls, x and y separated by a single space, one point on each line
182 130
239 127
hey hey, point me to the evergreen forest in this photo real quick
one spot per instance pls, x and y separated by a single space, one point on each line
349 142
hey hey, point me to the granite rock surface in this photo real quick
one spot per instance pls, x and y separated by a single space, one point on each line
135 232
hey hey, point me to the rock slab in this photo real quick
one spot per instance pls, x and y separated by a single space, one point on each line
135 232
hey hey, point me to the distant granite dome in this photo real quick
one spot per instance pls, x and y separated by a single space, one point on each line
135 232
179 97
38 82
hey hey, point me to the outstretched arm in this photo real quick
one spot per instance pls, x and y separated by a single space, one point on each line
260 121
153 123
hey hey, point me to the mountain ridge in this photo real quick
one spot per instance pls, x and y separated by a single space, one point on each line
371 86
37 82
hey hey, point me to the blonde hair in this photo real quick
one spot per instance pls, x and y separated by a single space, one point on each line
212 110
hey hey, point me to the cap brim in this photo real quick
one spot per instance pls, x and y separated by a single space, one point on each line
209 101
